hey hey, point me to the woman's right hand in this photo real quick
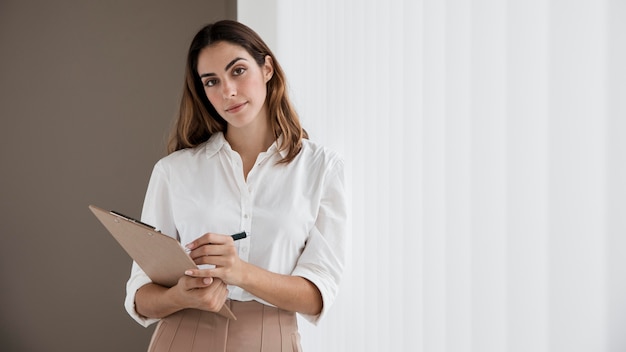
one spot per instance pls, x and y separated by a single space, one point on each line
204 293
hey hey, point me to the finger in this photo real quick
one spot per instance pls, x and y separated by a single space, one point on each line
216 295
216 288
214 250
198 273
207 250
190 283
208 238
206 277
202 240
216 260
220 290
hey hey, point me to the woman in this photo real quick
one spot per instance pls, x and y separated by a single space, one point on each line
240 161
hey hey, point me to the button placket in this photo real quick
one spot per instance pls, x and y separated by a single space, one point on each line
245 221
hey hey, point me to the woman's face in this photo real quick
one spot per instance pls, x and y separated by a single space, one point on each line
235 84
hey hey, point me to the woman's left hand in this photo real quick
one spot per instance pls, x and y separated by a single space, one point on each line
220 251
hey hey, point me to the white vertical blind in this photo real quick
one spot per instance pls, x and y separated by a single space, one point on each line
527 165
485 144
616 174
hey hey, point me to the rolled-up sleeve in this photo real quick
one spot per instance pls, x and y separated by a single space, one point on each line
323 258
156 212
137 279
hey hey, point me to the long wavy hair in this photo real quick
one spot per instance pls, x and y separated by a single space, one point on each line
197 118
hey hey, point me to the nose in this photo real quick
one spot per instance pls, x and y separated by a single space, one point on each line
229 89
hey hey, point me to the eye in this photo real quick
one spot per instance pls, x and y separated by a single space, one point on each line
210 82
238 71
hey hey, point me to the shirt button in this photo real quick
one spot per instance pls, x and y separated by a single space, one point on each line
245 216
244 250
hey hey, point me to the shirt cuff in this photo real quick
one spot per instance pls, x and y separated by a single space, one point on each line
324 284
135 282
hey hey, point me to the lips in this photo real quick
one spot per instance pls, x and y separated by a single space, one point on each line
236 108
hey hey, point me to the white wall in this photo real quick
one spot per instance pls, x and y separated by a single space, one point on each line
260 16
486 149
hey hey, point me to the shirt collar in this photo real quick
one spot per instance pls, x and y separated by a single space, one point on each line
217 141
276 144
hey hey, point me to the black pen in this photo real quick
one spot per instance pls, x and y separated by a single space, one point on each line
239 236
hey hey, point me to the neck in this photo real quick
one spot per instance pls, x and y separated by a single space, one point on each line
250 141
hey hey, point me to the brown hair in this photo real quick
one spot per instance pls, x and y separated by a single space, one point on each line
198 120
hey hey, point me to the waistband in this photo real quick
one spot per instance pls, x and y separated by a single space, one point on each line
258 328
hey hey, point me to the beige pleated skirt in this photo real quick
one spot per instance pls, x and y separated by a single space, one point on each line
258 328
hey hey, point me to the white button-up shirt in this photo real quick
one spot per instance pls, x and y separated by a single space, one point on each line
294 214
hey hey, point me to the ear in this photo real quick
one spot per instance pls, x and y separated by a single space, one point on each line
268 68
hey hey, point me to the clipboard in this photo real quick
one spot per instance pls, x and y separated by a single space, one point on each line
160 256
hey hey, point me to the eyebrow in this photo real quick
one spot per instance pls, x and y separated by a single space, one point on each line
230 64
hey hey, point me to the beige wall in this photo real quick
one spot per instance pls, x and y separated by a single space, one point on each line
87 93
